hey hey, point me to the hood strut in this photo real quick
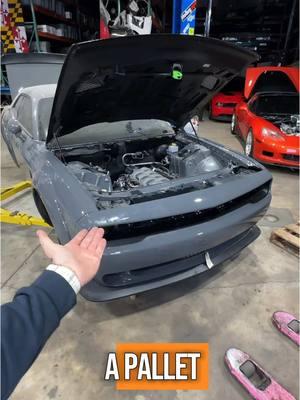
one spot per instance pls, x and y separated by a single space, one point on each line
55 136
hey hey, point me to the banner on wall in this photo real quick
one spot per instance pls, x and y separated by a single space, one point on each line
184 16
13 34
188 17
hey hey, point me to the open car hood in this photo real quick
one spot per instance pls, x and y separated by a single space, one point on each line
165 77
271 79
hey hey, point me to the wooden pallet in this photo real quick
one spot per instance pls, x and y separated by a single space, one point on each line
287 238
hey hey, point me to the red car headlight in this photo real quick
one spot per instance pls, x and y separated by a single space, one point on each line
272 134
218 104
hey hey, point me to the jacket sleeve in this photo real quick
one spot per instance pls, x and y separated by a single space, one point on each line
28 321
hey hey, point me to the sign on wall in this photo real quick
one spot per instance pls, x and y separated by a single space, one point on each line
184 16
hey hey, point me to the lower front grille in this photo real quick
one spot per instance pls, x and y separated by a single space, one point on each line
160 225
268 153
148 274
291 157
229 105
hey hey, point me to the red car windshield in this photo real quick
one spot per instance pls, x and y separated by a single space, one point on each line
281 104
235 85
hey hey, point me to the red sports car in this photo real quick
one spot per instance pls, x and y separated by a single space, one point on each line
222 105
268 119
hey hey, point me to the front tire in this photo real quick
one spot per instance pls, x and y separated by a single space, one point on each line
41 208
233 125
249 144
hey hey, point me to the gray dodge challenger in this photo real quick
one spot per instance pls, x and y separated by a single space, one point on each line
106 147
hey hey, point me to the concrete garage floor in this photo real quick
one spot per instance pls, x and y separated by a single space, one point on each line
230 306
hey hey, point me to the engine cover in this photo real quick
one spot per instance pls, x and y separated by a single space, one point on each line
192 160
93 178
146 176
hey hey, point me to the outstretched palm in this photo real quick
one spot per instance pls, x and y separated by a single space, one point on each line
82 254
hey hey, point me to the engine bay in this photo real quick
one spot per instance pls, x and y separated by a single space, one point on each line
115 173
290 125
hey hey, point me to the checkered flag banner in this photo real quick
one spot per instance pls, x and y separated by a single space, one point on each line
13 34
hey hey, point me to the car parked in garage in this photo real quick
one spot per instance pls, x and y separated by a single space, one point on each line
222 105
268 119
106 148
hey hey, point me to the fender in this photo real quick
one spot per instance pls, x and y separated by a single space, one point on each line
55 184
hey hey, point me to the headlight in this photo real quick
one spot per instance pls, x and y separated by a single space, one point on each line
272 134
219 104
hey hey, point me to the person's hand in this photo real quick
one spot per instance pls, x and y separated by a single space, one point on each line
82 254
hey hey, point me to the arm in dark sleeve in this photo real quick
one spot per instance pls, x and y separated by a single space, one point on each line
28 321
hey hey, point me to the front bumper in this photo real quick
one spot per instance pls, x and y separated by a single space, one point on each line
222 113
96 292
130 267
286 156
222 117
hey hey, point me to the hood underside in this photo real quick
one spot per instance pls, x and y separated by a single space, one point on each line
165 77
271 79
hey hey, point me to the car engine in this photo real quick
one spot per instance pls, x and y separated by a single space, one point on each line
145 176
114 170
292 126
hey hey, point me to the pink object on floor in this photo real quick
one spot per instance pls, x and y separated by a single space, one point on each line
258 383
287 324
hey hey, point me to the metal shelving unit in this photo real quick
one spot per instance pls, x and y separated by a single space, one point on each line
269 27
36 13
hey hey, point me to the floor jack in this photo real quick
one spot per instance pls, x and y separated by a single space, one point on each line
17 217
288 325
258 383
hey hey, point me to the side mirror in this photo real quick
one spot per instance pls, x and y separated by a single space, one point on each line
13 126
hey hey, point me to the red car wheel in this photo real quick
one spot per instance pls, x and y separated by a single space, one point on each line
249 144
233 125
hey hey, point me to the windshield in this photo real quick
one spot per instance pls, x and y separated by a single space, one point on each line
280 104
235 85
44 112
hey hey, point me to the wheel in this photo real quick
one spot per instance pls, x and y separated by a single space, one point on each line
249 144
233 125
41 208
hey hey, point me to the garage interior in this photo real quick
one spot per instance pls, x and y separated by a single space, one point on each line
230 306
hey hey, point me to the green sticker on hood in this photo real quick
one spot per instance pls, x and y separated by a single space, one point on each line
177 72
177 75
